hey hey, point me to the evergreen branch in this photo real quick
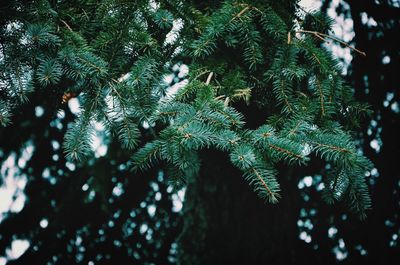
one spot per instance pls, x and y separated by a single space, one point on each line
204 49
261 180
253 53
280 148
337 147
272 22
214 118
236 121
98 68
49 72
243 157
243 94
196 118
190 88
359 197
196 135
128 133
334 185
295 129
226 140
78 138
282 86
332 147
338 186
285 151
215 106
321 97
145 157
310 14
5 113
262 133
316 58
20 86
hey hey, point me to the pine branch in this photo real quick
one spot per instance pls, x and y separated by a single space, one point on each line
146 156
291 79
78 139
285 151
243 157
321 97
127 130
264 183
271 195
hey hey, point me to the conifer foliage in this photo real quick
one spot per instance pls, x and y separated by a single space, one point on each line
115 56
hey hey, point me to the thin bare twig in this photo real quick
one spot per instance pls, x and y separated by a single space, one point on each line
240 13
209 78
323 37
66 24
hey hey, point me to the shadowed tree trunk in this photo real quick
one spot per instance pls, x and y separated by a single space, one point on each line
226 223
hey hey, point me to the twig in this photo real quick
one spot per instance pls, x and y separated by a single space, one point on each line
219 97
240 13
199 75
66 24
323 37
209 78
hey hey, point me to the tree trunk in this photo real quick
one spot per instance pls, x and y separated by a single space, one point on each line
226 223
